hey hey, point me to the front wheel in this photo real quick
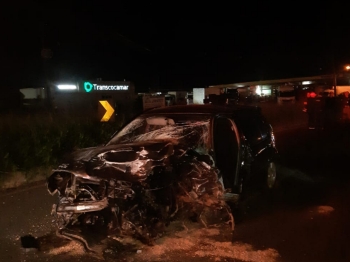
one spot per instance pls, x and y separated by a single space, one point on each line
271 175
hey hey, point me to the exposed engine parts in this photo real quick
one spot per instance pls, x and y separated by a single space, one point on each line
188 188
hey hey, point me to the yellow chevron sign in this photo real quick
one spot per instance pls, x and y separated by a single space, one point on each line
107 112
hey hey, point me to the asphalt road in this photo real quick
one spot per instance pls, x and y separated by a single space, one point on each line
25 211
305 219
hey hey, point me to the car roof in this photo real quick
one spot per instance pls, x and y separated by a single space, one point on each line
205 109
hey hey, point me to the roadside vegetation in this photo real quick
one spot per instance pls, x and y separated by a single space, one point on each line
31 143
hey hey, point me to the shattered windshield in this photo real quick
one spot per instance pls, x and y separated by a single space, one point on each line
189 130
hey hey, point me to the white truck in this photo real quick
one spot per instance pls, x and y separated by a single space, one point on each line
285 94
199 94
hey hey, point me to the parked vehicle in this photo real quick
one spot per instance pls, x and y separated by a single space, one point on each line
232 96
170 162
327 93
285 94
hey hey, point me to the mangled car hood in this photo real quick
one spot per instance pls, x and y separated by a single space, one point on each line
129 162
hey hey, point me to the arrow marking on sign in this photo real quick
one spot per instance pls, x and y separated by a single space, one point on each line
109 111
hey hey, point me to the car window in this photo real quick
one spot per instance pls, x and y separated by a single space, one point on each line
251 127
264 128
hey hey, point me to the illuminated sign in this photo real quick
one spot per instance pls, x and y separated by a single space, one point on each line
106 111
96 87
306 83
67 87
88 86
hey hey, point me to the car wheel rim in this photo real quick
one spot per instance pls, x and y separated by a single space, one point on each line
271 175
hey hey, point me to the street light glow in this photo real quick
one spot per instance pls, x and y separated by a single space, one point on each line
347 67
306 83
67 87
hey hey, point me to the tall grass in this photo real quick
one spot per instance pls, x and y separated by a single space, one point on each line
40 140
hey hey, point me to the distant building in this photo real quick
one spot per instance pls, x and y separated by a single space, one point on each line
34 97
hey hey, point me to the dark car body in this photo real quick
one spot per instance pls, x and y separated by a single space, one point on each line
193 157
239 140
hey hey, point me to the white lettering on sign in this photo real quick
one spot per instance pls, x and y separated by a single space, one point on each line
110 87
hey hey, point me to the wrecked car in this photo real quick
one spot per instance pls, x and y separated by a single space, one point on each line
168 163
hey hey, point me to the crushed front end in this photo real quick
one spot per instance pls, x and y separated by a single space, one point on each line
136 190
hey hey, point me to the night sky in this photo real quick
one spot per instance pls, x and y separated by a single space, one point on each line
170 45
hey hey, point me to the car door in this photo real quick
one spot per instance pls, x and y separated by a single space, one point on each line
227 146
260 140
251 129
